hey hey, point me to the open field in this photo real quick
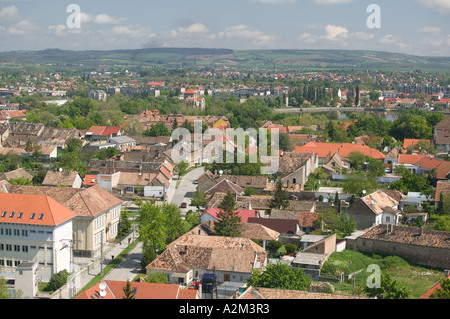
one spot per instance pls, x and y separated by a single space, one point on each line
306 60
418 279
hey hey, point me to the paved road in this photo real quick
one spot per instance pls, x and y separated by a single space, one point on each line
129 267
186 189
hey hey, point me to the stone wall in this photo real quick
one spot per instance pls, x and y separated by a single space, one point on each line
420 255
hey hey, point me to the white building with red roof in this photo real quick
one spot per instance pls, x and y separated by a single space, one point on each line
34 228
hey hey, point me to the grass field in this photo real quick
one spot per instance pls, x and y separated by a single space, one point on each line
418 279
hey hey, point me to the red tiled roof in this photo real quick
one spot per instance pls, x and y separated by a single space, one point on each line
411 142
430 291
323 149
90 180
190 91
46 210
143 290
245 214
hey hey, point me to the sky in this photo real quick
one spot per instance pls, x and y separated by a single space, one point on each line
418 27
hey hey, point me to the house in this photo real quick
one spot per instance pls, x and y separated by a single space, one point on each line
121 142
97 214
34 228
295 168
208 180
375 209
111 289
90 180
326 150
62 178
96 133
247 230
305 219
424 164
15 174
286 227
442 187
441 135
225 186
312 258
336 164
211 214
232 259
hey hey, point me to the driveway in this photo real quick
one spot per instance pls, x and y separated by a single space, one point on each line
185 190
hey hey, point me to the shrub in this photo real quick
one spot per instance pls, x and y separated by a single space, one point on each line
58 280
291 248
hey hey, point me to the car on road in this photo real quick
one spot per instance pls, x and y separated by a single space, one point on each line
183 205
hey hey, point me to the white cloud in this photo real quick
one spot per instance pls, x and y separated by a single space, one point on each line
274 1
330 1
106 19
335 33
193 30
133 31
22 27
58 30
102 18
243 32
390 39
442 6
9 13
431 29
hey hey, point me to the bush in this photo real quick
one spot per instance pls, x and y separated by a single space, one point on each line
291 248
58 280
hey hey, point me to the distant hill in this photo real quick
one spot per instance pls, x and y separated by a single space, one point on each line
264 59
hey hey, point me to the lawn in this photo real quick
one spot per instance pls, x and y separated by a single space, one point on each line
418 279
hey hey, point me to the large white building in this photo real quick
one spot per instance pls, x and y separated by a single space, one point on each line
34 228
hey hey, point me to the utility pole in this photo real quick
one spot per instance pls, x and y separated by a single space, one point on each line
101 252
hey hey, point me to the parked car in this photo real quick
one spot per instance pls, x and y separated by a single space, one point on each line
183 205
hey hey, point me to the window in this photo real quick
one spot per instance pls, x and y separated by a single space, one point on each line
3 214
16 247
25 249
41 216
11 215
20 215
32 215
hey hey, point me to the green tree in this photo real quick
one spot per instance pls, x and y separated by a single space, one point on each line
158 225
273 246
279 276
158 129
346 225
229 221
124 224
58 280
5 294
389 289
128 292
156 277
280 199
198 198
443 292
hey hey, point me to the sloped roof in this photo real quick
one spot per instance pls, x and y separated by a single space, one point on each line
57 178
18 173
282 226
325 149
224 186
444 124
46 210
84 202
142 290
379 201
209 252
